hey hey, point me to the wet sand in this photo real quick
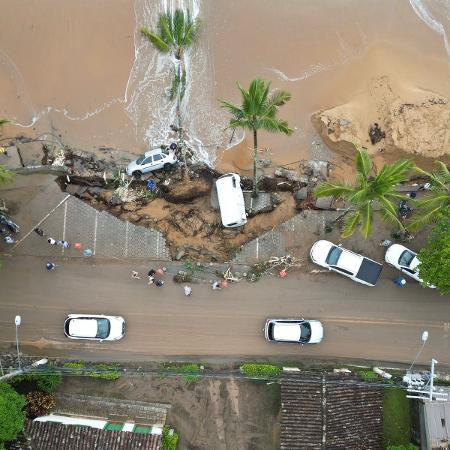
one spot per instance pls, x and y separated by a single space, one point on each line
78 56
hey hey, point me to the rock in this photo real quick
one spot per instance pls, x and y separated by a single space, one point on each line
265 162
290 175
130 207
275 199
301 194
106 196
316 168
323 203
180 253
376 134
31 153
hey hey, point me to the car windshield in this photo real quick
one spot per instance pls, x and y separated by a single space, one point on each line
333 256
140 159
406 258
102 328
305 332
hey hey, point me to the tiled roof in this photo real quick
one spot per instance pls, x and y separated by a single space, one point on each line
56 436
324 412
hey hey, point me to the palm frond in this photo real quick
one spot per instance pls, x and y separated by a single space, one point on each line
279 98
389 212
155 40
425 218
366 219
178 27
191 31
394 174
351 222
435 199
165 28
233 109
338 190
363 163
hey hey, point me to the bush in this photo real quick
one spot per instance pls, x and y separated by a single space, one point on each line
368 375
75 368
169 442
39 404
47 380
402 447
105 372
12 415
261 370
191 368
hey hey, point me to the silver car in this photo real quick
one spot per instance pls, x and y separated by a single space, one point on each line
155 159
96 327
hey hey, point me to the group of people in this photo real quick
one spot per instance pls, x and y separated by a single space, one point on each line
154 277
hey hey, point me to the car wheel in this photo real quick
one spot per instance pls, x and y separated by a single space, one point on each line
137 174
167 166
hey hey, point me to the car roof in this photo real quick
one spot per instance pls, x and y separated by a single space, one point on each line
83 327
153 151
286 331
349 261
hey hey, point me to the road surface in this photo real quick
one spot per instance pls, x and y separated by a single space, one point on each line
383 323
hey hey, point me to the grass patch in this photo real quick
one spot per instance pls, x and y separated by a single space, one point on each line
75 368
169 439
441 382
403 447
105 372
191 378
261 370
396 418
189 368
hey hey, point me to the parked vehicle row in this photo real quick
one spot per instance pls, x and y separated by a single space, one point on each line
360 268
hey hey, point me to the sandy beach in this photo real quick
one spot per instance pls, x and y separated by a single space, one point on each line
81 70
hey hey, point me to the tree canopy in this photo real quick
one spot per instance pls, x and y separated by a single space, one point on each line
12 414
369 188
435 256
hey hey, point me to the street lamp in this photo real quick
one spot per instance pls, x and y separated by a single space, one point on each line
18 321
424 338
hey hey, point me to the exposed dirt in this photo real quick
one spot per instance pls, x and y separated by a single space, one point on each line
209 414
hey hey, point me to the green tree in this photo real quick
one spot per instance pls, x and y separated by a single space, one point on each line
436 200
258 111
435 256
12 414
175 33
369 189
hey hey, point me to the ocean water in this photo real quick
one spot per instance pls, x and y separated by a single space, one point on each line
296 44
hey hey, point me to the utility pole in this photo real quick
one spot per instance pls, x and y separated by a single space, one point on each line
14 373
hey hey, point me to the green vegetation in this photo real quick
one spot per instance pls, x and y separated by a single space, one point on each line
261 370
12 414
169 439
189 368
436 201
368 375
76 368
258 111
3 122
370 188
105 372
191 378
435 256
397 418
402 447
47 380
6 175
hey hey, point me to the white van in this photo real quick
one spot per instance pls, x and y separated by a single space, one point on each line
231 200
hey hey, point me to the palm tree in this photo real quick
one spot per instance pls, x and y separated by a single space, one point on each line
258 111
369 189
436 200
175 33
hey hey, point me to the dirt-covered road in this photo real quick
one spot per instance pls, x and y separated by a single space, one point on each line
382 323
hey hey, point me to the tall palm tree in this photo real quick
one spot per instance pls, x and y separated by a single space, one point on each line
436 200
258 111
369 188
175 33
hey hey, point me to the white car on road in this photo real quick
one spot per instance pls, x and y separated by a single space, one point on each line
94 327
298 331
404 259
357 267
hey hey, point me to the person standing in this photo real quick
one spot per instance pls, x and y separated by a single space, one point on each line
400 282
135 275
39 231
187 291
216 286
159 283
51 241
9 240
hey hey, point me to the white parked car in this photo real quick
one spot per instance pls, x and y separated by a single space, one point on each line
404 259
155 159
94 327
298 331
357 267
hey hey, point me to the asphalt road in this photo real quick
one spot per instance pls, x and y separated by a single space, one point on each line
383 323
